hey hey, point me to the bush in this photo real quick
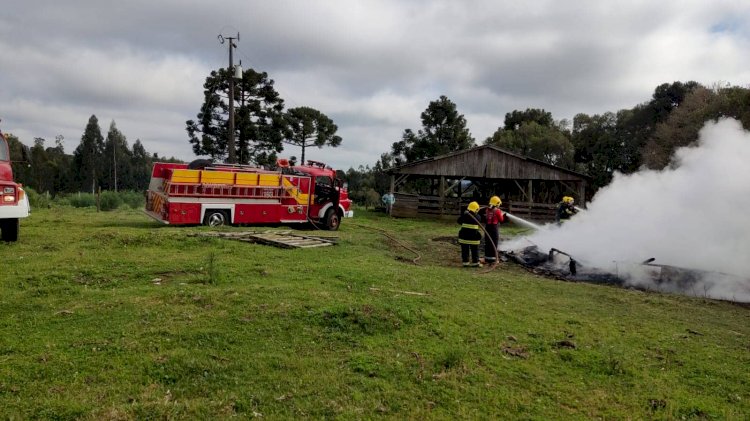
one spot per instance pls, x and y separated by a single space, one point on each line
134 199
81 200
37 200
109 200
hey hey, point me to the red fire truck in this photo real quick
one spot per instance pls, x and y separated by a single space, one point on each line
14 204
218 194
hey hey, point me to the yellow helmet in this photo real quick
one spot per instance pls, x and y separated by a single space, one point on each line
568 199
495 201
473 206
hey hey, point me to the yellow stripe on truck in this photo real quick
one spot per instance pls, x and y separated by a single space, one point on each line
293 191
186 176
217 177
268 179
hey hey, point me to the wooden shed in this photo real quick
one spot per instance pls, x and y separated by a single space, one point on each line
443 185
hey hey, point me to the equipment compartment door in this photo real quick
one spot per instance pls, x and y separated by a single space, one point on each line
184 213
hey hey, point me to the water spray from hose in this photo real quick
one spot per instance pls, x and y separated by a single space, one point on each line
521 221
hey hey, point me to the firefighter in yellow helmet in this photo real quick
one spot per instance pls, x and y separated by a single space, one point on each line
565 209
492 217
470 235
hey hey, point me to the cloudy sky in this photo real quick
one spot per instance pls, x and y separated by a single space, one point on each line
372 66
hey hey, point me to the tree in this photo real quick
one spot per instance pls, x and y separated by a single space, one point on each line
734 101
535 134
258 119
681 128
636 126
141 165
21 170
516 118
87 158
443 131
118 157
60 168
305 126
40 167
409 149
598 150
697 106
546 144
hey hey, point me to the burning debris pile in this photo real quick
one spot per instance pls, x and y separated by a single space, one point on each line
684 229
647 275
560 265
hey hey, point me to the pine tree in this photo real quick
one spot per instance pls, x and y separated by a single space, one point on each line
305 126
87 158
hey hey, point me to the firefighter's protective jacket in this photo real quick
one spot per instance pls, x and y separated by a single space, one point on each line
470 231
564 211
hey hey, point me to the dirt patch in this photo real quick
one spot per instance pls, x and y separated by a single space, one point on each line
565 344
515 351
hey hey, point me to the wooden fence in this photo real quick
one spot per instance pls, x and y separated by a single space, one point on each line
537 212
415 206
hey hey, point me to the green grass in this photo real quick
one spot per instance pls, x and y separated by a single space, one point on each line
112 316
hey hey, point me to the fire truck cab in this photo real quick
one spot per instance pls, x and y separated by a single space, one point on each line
218 194
14 204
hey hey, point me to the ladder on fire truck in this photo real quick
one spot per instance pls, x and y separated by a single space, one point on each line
235 191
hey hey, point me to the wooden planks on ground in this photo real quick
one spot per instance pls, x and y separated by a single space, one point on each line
282 239
287 240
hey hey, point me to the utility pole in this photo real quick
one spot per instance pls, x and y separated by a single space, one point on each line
114 159
242 107
231 158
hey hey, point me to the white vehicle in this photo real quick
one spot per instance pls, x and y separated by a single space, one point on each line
14 204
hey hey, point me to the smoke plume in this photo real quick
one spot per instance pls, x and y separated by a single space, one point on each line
694 214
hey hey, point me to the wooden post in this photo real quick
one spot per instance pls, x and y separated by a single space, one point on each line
531 196
393 183
441 194
582 193
98 200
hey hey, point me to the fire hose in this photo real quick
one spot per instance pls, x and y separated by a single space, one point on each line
392 238
488 237
384 232
519 221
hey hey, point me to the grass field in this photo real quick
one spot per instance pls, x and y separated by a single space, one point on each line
111 316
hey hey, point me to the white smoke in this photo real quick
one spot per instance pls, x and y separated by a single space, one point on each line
695 214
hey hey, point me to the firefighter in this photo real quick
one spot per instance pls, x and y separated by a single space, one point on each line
492 217
470 235
565 209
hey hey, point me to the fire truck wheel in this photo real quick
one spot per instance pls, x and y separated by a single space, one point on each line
215 218
332 220
10 229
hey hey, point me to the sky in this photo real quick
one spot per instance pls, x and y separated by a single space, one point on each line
372 66
692 214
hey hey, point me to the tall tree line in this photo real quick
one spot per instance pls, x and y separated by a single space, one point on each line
97 162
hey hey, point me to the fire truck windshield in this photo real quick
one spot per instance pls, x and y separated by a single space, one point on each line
324 180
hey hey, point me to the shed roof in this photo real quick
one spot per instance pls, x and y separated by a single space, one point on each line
489 161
